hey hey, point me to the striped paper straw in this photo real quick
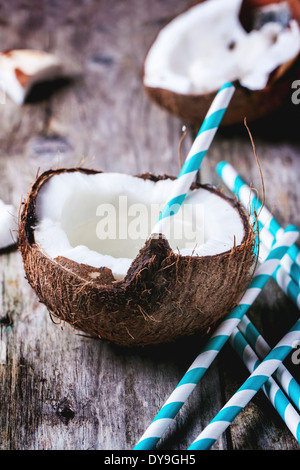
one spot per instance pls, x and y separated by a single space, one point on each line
256 340
247 196
261 347
198 368
281 276
196 154
287 285
283 279
272 391
289 266
247 391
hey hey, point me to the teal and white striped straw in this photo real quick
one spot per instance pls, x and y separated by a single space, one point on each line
289 266
195 156
281 275
283 278
198 368
256 341
267 222
272 391
247 391
287 285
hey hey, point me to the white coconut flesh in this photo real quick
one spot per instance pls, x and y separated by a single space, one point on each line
104 219
206 46
8 225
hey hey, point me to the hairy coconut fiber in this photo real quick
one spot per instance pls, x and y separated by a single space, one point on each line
163 297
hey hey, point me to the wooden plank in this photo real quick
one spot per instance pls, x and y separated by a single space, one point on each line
58 388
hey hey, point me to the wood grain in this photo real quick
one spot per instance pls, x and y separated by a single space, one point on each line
58 388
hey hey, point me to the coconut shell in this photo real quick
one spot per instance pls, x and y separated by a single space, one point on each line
21 69
249 104
163 297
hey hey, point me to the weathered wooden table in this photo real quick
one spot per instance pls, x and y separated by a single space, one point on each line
58 388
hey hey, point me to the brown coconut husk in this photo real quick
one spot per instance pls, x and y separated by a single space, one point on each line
252 104
163 297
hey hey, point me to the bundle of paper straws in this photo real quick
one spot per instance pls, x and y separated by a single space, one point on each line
279 258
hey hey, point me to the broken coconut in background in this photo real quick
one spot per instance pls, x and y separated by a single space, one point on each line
130 290
8 226
209 44
21 70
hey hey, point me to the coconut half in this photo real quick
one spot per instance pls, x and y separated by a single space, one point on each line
21 69
207 45
127 288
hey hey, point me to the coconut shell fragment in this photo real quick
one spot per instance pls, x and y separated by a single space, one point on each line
163 297
21 69
8 226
